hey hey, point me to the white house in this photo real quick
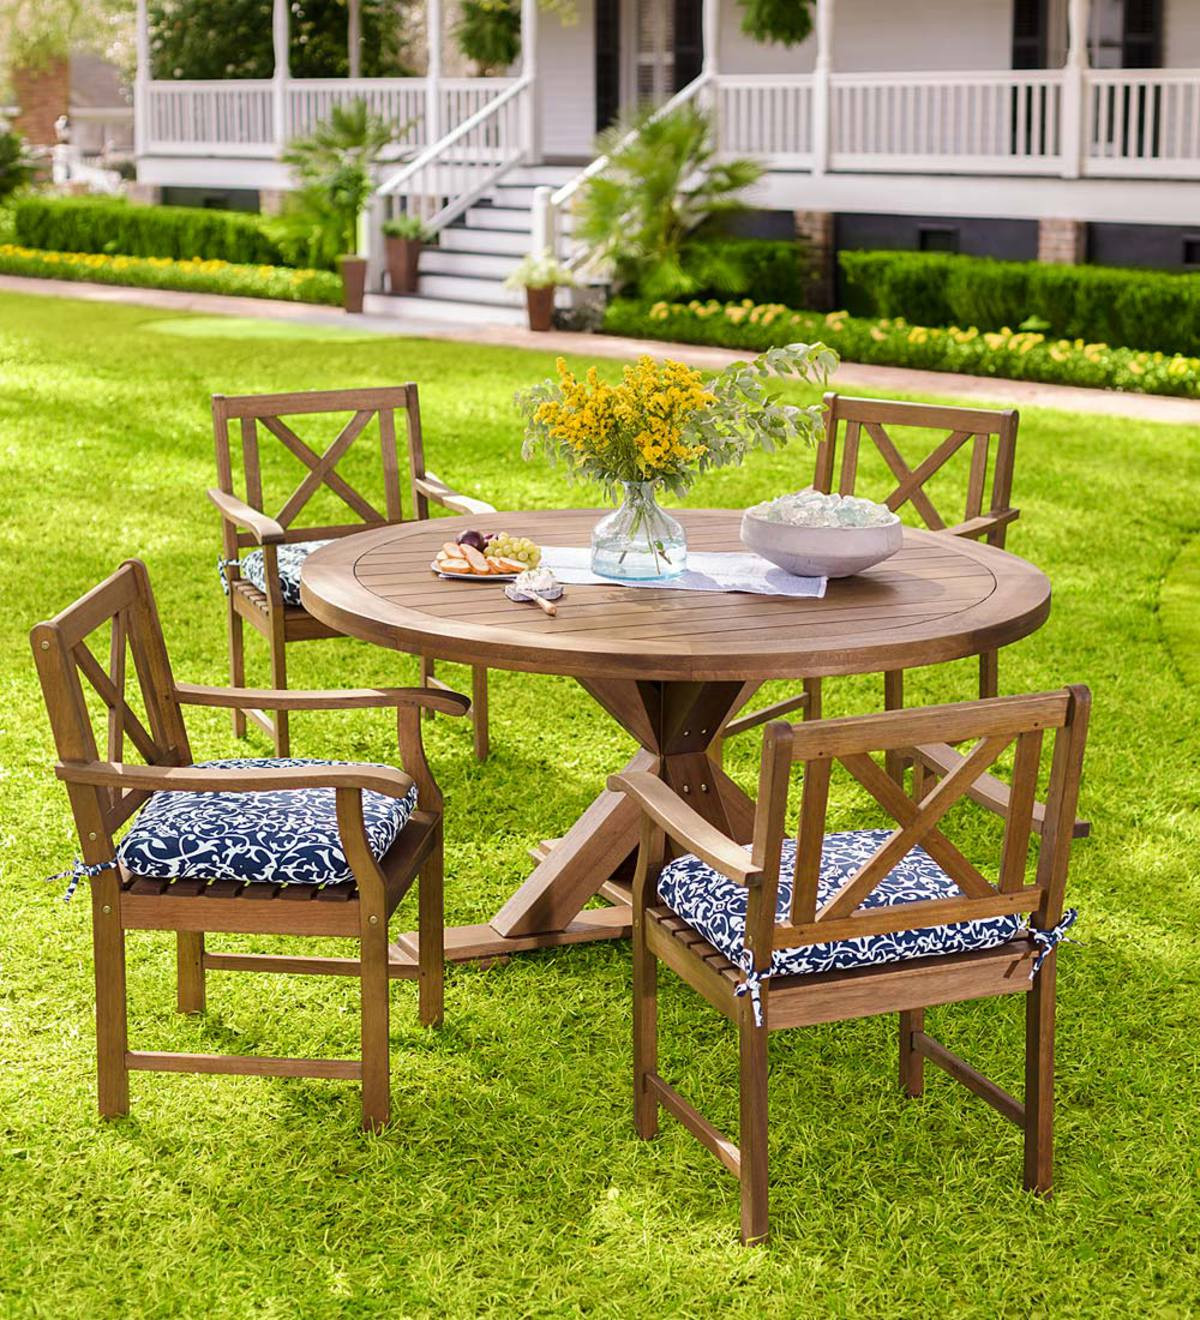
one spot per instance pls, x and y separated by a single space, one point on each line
1068 129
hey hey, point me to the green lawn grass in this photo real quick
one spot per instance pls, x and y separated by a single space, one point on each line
510 1180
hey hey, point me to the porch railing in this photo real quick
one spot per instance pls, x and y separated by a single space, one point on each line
970 122
454 172
1143 122
766 115
249 117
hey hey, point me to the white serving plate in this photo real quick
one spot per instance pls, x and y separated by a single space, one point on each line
473 577
832 552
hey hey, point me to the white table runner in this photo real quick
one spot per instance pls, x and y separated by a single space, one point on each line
706 571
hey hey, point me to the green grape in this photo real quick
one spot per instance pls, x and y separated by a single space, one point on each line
520 548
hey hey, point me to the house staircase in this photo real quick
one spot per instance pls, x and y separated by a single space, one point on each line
462 275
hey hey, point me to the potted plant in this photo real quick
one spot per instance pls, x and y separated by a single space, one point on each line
333 166
539 274
403 239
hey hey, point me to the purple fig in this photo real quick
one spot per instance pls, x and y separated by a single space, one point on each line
473 539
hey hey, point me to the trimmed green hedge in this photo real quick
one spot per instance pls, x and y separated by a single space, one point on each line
111 226
196 276
894 342
1134 308
765 269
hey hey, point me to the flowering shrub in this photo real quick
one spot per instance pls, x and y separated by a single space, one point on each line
663 422
1014 355
195 276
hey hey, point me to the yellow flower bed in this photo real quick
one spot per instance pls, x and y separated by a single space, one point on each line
194 276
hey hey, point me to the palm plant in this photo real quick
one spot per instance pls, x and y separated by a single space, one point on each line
664 181
333 166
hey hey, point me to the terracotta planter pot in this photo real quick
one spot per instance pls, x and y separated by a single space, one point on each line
403 255
540 305
354 281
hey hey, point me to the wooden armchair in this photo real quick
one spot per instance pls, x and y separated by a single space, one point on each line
832 926
263 587
988 511
205 851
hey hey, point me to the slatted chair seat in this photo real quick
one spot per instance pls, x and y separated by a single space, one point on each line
271 837
289 561
715 907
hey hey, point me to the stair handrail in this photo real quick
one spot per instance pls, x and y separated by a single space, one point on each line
393 185
548 205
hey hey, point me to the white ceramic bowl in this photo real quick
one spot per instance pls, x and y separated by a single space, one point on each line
821 551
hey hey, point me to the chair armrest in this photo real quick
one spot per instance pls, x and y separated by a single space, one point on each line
974 528
436 489
202 779
686 826
266 530
196 694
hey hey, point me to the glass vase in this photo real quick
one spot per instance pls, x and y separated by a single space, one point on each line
638 540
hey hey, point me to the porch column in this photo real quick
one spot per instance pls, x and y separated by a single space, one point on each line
281 41
710 19
820 87
141 85
1075 89
433 71
531 117
354 38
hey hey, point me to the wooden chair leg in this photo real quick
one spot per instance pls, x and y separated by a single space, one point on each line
479 711
752 1043
283 736
431 939
912 1063
189 961
989 674
645 1033
893 699
812 707
373 982
237 665
112 1031
1039 1080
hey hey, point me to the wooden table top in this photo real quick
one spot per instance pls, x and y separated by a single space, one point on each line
939 598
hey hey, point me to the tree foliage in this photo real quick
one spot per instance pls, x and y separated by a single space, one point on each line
489 33
232 38
16 167
642 214
35 31
785 22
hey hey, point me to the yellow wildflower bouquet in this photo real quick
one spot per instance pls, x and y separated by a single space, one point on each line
663 423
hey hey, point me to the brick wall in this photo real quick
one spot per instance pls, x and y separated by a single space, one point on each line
1062 242
815 230
42 93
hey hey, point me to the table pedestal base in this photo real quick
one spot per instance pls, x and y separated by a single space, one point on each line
677 725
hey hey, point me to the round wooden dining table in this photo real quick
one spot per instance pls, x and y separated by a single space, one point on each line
668 665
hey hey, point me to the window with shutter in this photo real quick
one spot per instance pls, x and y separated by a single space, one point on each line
1029 44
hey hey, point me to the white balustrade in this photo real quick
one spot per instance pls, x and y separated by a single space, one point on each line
963 122
232 117
766 116
1143 122
399 101
450 175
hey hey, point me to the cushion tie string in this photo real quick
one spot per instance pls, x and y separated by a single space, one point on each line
80 871
752 986
222 565
1048 940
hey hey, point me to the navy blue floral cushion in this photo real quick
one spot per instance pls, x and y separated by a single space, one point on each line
281 836
290 559
716 907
